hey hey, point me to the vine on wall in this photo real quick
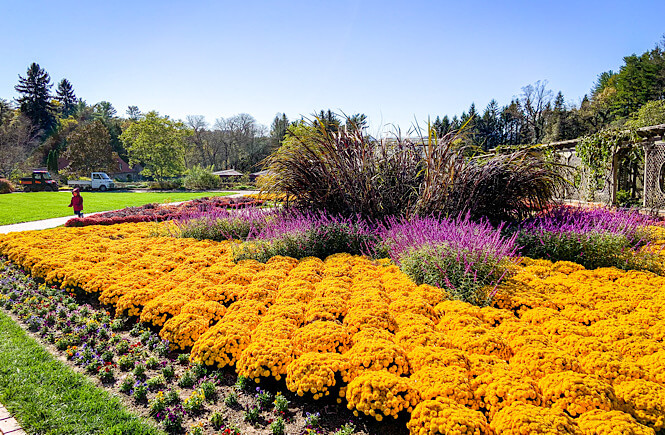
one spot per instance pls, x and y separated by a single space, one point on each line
597 152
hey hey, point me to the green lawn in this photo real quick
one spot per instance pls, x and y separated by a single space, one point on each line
47 397
25 207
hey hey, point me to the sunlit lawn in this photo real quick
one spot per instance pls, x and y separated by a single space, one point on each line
25 207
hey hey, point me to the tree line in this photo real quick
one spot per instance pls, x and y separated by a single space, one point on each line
537 115
40 126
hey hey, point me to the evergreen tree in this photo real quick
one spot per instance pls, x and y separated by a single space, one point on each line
328 120
513 124
442 126
83 112
52 162
488 126
65 95
278 130
35 97
6 111
133 113
359 120
104 111
556 124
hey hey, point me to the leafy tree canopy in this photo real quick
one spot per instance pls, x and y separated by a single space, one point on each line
158 143
652 113
89 149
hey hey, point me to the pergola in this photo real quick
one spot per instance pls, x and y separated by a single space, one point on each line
651 174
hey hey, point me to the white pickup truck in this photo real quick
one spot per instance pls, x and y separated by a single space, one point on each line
98 180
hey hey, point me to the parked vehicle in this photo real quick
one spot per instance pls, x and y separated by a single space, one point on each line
98 181
39 181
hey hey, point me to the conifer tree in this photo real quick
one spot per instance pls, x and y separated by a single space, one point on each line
66 97
35 97
278 130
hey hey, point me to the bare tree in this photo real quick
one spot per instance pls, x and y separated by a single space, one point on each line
535 100
223 141
19 137
198 140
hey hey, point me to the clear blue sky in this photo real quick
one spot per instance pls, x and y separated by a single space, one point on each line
394 61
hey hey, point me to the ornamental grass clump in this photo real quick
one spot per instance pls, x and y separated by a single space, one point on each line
346 172
593 238
468 258
305 234
221 224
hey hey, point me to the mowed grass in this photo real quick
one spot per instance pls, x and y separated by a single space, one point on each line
33 206
47 397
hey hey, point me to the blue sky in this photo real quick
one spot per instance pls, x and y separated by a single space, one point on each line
395 61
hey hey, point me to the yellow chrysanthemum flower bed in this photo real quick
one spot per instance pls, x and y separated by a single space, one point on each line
611 423
522 418
316 373
576 393
380 394
562 350
500 388
322 336
443 416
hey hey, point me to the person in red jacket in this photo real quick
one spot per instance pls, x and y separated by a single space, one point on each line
77 203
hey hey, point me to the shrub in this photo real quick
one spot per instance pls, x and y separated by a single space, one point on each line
217 420
346 429
626 200
209 390
172 397
155 383
139 371
186 380
251 414
264 398
106 374
498 187
6 186
140 392
312 420
201 178
174 184
301 235
222 225
126 363
465 257
592 238
173 419
168 372
199 370
158 405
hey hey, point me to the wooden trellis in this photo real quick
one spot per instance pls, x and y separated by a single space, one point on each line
650 177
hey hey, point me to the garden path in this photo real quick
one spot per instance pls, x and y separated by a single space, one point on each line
56 222
8 425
